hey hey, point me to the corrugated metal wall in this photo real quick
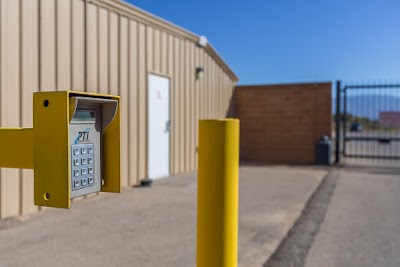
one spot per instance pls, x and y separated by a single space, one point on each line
109 47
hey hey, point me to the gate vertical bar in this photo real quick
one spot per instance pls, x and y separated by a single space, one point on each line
337 143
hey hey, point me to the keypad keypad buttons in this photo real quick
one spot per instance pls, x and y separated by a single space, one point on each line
82 166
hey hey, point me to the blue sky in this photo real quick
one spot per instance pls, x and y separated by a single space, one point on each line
279 41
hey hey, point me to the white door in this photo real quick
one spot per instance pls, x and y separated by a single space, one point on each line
158 127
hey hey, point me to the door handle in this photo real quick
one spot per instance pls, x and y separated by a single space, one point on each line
167 126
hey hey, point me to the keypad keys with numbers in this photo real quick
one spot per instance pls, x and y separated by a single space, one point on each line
83 172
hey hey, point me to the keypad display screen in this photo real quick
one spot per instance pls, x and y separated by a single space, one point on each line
83 171
84 116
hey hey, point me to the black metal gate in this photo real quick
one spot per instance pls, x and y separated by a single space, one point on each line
367 118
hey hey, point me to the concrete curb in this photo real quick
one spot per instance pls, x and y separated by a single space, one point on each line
294 247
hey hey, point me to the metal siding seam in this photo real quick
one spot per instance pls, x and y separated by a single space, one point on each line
144 103
189 105
192 106
21 174
129 178
141 99
183 104
20 100
208 85
186 110
91 58
220 91
98 48
108 50
214 90
172 110
181 107
123 86
103 51
212 97
39 51
155 52
11 179
201 86
188 101
137 104
85 44
39 45
71 43
114 53
1 97
163 53
29 83
56 44
146 108
119 55
177 107
169 70
197 90
175 128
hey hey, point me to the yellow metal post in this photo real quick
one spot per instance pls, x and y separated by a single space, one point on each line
217 206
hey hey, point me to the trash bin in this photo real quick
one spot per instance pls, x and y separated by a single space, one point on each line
323 151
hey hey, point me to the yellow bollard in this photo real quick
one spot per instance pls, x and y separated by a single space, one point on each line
217 197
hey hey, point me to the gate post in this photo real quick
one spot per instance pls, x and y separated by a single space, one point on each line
337 139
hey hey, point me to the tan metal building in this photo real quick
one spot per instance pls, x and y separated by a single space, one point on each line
105 46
